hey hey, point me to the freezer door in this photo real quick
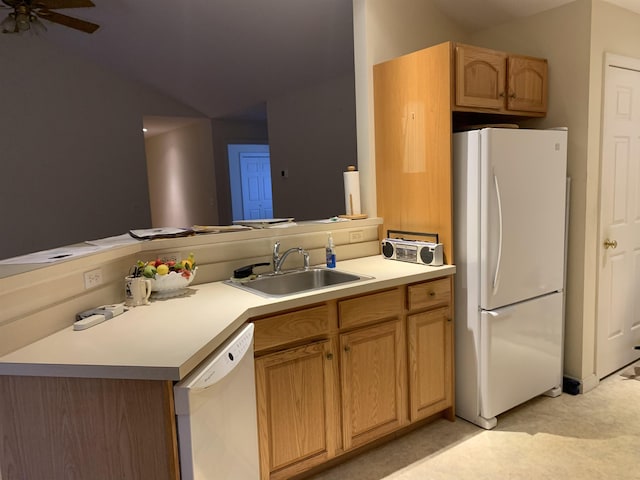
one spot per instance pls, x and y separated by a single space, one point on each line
520 353
522 214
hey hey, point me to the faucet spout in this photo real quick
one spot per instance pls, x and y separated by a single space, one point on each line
278 259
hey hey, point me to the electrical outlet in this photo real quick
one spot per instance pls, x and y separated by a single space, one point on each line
357 236
92 278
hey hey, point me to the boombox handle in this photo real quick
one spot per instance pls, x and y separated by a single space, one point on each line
420 234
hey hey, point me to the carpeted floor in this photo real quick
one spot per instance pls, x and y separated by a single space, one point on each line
590 436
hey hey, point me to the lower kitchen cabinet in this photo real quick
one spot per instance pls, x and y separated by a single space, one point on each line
430 337
296 411
373 382
334 377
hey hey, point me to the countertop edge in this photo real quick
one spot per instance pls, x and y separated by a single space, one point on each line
259 307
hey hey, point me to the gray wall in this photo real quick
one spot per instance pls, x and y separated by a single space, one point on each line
71 148
312 135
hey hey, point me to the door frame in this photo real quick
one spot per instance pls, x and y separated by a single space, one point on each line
628 63
235 179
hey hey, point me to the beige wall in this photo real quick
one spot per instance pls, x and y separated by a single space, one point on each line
573 38
181 176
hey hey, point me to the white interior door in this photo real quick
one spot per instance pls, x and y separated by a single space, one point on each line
618 322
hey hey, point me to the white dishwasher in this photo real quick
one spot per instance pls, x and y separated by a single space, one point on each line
216 411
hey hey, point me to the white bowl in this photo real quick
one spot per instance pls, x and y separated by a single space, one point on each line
171 281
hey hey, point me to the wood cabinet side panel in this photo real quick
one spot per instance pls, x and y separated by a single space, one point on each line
74 428
412 107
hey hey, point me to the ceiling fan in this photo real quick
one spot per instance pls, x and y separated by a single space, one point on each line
26 14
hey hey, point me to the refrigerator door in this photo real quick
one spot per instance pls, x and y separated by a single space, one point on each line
522 214
520 353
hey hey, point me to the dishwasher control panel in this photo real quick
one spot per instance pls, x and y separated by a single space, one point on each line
225 359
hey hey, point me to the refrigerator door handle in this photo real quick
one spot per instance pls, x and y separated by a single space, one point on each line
499 198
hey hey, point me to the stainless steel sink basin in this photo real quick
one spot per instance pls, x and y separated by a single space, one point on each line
296 281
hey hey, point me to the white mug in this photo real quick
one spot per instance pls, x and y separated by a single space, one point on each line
137 291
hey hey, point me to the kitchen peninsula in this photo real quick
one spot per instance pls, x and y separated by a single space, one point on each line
98 403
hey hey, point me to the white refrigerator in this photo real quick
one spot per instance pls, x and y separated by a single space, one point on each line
509 240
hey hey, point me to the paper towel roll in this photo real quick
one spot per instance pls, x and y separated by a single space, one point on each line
352 191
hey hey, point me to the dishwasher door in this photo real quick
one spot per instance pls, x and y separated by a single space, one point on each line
216 412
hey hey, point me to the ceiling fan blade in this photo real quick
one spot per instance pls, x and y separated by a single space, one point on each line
68 21
57 4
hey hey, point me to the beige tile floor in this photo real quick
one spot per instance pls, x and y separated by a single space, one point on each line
584 437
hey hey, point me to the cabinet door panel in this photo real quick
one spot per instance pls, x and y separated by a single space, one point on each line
480 77
527 84
430 362
373 380
295 409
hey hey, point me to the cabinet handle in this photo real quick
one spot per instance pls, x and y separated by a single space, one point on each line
501 94
432 294
329 356
512 95
347 348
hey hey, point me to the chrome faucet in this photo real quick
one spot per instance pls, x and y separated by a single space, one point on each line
278 259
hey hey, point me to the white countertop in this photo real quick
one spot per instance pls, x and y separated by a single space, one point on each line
168 338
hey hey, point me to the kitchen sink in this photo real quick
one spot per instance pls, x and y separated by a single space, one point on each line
296 281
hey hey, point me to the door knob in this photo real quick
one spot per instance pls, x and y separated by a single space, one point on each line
610 243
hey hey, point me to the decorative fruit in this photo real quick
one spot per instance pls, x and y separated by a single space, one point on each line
158 267
162 269
149 271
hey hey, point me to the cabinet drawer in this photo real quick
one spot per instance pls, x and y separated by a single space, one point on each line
291 327
369 308
429 294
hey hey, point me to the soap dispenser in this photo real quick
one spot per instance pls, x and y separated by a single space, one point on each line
331 253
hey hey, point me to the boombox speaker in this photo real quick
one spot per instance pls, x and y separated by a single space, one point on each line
413 251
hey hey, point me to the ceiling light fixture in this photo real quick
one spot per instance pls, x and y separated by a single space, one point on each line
22 20
26 15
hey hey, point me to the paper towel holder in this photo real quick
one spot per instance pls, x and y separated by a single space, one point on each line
357 216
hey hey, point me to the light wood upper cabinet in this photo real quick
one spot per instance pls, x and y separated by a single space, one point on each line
481 76
373 382
527 80
497 82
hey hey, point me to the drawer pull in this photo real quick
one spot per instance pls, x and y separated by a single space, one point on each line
432 293
329 356
347 348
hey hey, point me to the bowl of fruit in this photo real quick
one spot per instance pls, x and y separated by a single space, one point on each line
169 278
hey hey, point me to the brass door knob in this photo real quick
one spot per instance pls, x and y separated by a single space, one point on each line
610 243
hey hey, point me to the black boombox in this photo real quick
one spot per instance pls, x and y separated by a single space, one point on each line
413 251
